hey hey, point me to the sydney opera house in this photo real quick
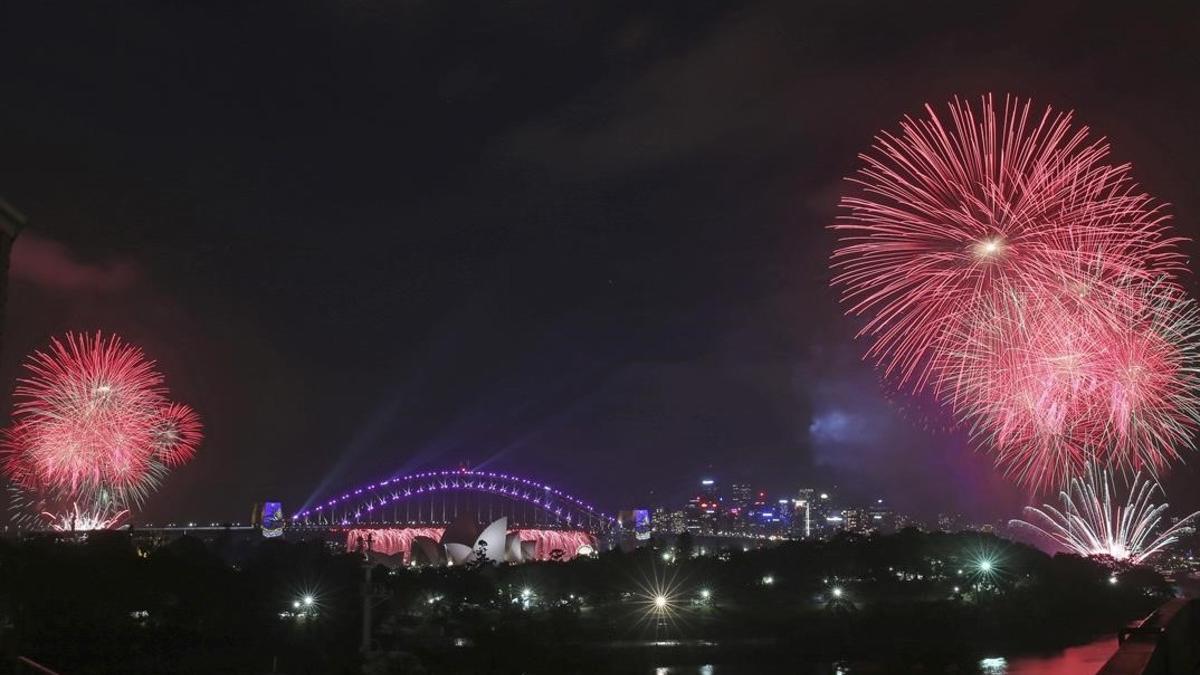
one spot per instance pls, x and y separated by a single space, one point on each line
465 542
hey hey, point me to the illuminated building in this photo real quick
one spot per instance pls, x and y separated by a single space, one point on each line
802 525
669 522
703 510
741 495
676 522
464 542
636 522
824 519
881 518
949 522
856 520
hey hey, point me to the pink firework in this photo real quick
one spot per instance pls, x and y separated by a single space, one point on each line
175 434
92 424
1000 262
948 213
1050 385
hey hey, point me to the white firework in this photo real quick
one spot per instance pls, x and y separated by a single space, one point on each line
1091 523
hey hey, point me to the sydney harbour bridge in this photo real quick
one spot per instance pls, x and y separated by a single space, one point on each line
456 516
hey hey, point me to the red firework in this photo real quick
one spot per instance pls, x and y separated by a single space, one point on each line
176 434
1002 262
1050 385
948 213
92 424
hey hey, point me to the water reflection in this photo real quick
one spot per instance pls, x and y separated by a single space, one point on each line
1081 660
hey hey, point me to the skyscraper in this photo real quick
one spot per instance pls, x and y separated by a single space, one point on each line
741 495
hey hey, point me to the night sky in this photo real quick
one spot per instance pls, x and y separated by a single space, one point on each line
583 242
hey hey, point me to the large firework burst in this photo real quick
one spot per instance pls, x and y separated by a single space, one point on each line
945 214
1091 522
1004 265
92 425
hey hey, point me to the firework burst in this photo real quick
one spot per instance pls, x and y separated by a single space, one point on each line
946 213
1091 522
92 425
1050 385
1004 266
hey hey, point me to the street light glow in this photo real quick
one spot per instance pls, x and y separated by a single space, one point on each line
660 602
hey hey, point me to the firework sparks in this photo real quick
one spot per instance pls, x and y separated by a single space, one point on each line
92 425
1090 522
1002 263
948 213
1050 386
76 520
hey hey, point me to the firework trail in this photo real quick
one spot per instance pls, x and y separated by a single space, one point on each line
92 425
1091 523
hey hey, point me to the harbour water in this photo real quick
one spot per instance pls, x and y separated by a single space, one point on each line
1083 659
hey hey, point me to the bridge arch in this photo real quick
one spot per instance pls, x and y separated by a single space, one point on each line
441 497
